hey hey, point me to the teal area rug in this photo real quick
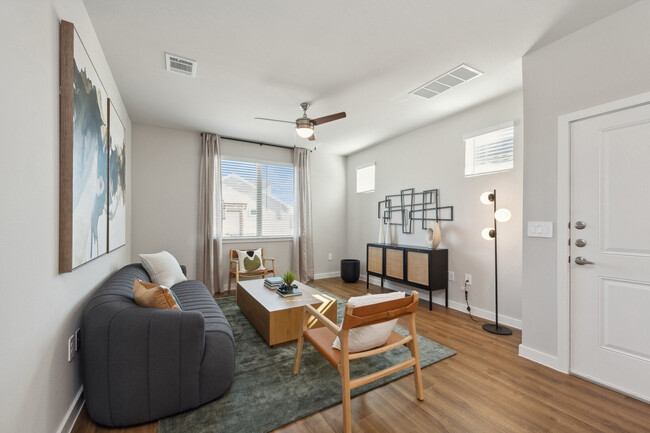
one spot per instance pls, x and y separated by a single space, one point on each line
265 395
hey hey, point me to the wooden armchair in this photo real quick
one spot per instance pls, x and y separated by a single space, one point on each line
234 270
322 339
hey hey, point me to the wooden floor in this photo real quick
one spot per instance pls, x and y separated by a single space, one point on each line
485 387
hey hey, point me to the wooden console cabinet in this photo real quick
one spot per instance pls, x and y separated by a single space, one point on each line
419 267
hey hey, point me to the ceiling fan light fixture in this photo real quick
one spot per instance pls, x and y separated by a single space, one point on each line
305 130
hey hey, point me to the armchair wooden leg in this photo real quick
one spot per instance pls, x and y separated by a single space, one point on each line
301 339
296 361
344 370
345 397
229 281
413 347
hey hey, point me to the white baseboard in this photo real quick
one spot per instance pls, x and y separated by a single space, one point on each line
327 275
73 412
540 358
458 306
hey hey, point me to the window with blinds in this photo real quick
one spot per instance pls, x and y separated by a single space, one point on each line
257 199
489 150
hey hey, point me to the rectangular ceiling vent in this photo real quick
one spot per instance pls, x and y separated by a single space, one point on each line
180 64
458 75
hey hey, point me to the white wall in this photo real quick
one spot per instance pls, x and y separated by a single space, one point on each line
165 193
434 157
328 190
165 198
40 309
600 63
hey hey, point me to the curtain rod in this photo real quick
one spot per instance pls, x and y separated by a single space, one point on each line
256 142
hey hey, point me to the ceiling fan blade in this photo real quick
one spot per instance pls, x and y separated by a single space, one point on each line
274 120
312 137
329 118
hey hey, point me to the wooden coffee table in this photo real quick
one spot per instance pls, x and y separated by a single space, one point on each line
278 319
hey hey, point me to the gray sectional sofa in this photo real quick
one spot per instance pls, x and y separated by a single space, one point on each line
142 364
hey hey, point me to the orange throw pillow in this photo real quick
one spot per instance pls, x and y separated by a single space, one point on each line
151 295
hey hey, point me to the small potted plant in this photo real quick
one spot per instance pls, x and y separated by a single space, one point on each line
288 278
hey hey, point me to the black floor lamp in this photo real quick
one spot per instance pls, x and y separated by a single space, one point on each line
488 233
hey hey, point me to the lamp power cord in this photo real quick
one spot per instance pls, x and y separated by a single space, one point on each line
469 309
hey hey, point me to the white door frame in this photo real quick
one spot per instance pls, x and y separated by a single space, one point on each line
563 282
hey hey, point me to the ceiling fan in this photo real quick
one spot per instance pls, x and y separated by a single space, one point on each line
305 125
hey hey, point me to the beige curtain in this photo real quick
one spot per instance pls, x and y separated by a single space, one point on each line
303 249
209 236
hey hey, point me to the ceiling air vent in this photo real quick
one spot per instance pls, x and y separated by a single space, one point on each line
180 64
458 75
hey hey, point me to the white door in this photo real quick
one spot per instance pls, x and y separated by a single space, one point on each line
610 299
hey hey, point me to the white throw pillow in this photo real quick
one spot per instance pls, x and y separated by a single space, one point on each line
163 268
250 260
367 337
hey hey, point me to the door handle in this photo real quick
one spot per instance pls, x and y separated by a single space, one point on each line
582 261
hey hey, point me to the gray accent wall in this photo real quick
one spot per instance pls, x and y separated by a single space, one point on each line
41 309
603 62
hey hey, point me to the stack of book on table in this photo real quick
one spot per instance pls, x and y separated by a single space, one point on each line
273 282
292 292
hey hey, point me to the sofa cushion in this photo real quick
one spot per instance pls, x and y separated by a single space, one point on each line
163 268
150 295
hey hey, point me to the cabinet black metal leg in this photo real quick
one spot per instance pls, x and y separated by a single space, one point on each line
430 301
367 282
447 297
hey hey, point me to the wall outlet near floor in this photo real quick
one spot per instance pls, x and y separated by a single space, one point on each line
329 256
468 279
77 340
451 276
71 345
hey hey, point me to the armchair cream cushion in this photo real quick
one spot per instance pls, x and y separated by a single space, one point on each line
367 337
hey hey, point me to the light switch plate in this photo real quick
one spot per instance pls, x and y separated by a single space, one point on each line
540 229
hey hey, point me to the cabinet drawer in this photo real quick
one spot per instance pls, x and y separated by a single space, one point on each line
394 263
417 267
374 260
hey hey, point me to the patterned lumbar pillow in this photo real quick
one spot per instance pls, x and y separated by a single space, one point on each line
250 260
370 336
163 268
150 295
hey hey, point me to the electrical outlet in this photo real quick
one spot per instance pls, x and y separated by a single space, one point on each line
468 279
77 340
71 345
329 257
451 276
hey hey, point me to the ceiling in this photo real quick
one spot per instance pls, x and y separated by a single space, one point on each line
262 58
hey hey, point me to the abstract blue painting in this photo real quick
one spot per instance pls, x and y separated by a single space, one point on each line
89 164
116 180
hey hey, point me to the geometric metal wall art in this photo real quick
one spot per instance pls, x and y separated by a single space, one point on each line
408 206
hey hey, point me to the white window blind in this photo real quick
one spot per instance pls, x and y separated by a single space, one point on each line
366 179
257 199
490 150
